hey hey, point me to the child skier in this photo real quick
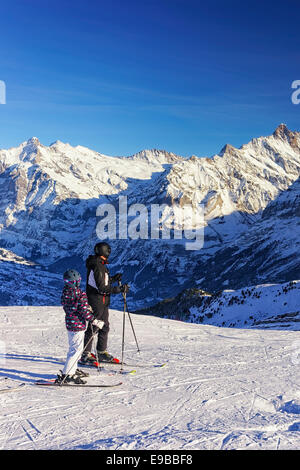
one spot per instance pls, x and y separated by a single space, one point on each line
78 311
99 288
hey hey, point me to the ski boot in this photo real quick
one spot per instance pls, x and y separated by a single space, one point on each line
104 356
87 358
81 373
63 378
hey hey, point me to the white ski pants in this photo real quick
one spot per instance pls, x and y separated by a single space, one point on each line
76 344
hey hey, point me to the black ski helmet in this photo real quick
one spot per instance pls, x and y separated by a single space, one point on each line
102 249
72 275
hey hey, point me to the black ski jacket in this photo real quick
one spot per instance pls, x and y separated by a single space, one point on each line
99 281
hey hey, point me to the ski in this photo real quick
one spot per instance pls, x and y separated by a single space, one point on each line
103 369
126 372
159 366
54 384
113 361
126 364
93 365
118 362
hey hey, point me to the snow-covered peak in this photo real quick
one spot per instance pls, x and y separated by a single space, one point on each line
282 138
33 141
57 144
228 150
282 131
32 144
292 138
30 150
155 155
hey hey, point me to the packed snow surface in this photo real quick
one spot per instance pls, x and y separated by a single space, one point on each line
222 388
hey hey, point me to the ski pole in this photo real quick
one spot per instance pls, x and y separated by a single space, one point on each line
123 335
126 306
96 351
129 316
67 373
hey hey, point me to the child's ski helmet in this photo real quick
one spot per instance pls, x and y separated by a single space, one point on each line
72 275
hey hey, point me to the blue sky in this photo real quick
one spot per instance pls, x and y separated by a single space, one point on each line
120 76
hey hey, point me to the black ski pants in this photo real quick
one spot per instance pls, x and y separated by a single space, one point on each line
101 312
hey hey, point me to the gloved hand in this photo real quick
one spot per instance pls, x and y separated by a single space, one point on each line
98 324
124 288
117 277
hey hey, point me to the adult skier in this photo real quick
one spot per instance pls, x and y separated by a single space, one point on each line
99 288
78 312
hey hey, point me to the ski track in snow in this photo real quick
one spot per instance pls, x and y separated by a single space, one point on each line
221 389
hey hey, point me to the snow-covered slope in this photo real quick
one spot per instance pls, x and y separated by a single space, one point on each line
24 282
269 251
221 389
263 306
49 196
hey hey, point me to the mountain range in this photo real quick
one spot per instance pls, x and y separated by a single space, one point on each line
49 197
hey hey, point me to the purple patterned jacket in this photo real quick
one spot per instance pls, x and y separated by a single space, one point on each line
76 306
